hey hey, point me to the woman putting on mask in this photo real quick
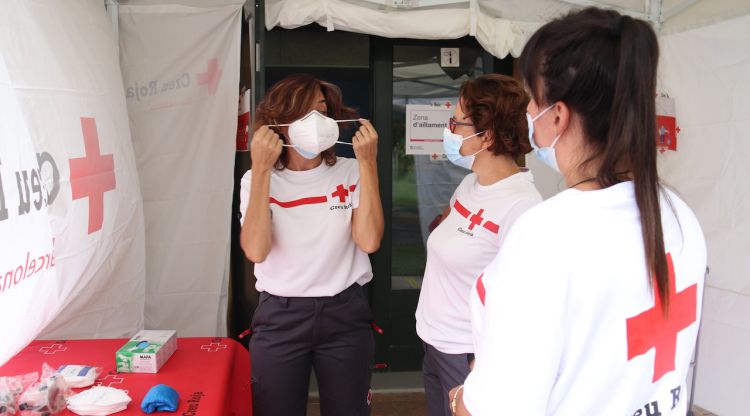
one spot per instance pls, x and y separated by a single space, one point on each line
592 306
309 220
486 134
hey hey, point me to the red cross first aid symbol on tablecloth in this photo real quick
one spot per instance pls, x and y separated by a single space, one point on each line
211 76
650 329
476 219
52 349
214 347
110 379
93 175
342 192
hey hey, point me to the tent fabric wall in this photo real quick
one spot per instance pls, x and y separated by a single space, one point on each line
706 71
180 65
71 216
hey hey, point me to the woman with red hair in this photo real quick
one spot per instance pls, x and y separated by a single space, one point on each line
486 134
309 220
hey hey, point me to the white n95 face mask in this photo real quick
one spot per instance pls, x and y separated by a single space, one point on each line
313 134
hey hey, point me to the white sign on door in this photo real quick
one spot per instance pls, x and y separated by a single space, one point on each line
424 128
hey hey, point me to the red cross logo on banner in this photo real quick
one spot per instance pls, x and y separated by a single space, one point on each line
650 329
110 379
93 175
475 219
52 349
342 192
211 76
214 347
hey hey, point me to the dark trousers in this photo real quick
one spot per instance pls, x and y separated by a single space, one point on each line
291 336
442 372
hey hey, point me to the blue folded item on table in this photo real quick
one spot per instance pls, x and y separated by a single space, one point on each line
160 398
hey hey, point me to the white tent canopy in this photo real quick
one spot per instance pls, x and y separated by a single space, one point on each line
500 26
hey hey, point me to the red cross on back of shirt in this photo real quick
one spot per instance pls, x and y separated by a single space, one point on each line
650 329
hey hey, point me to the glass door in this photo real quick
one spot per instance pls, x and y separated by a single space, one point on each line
420 185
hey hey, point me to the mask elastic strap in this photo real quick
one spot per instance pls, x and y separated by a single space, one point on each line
478 152
533 119
554 142
475 134
338 121
294 145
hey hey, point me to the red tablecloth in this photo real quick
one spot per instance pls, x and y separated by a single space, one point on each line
212 375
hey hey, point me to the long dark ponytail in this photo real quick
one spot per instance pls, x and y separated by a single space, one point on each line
602 65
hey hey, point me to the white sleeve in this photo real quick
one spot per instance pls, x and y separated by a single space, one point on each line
521 339
354 174
244 194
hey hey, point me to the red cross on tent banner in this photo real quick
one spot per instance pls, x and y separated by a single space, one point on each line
211 77
93 175
651 329
666 124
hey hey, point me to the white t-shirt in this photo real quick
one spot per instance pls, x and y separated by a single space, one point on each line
459 249
571 323
312 252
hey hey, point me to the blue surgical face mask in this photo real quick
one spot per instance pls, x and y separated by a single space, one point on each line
545 154
452 148
305 153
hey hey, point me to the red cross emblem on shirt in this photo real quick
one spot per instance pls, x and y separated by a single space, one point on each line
52 349
475 219
650 329
342 192
93 175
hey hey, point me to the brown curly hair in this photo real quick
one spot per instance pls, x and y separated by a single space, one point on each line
293 97
497 103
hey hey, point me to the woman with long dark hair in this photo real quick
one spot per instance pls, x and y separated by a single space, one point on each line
593 303
309 220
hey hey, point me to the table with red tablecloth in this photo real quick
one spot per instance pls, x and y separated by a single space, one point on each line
212 375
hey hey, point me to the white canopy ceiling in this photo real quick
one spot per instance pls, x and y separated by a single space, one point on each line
500 26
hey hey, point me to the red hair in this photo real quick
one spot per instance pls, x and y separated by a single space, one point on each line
497 103
293 97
